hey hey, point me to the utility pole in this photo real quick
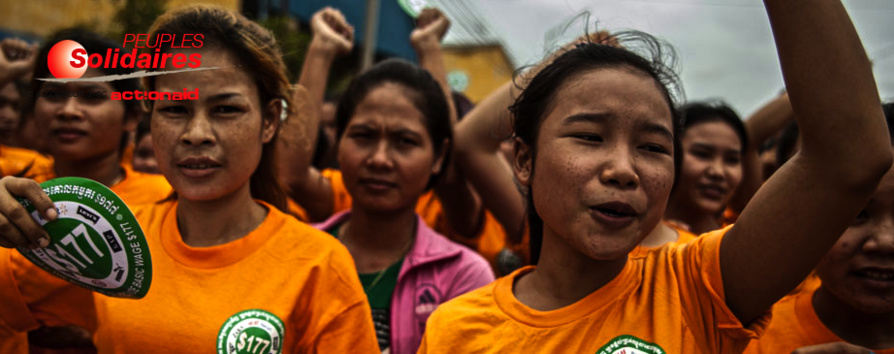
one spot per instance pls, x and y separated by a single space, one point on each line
371 29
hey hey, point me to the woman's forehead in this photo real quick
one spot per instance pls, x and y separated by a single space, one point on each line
616 92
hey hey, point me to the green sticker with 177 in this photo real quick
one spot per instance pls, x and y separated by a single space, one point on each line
95 242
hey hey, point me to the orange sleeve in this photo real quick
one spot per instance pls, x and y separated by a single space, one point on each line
127 155
32 297
25 163
141 188
15 315
343 319
352 331
729 217
341 199
12 342
697 265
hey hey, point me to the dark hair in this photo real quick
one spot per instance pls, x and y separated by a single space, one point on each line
657 61
888 109
92 43
788 142
144 127
427 97
693 113
462 103
257 53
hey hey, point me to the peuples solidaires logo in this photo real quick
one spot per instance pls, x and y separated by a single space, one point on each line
68 60
95 242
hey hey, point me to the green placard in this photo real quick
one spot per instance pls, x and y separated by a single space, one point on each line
95 242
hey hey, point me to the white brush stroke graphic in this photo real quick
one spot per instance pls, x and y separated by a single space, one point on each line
134 75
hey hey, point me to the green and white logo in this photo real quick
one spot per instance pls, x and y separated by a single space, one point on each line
251 332
95 243
627 344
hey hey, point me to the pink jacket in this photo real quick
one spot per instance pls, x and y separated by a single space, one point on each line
435 270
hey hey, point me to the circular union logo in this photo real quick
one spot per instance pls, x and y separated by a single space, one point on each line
251 332
95 242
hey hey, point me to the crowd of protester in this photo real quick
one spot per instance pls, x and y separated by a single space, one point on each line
583 206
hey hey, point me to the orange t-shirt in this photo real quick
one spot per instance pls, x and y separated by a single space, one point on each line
811 283
300 280
683 236
24 163
670 301
136 188
795 325
489 241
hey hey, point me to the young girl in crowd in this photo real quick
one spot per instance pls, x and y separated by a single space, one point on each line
713 143
855 301
480 152
221 248
595 151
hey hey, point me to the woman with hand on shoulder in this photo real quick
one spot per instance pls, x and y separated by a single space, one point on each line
221 247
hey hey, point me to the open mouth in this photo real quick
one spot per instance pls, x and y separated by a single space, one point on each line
616 210
199 167
712 191
614 214
875 274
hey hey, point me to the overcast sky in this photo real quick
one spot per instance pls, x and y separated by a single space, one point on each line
725 47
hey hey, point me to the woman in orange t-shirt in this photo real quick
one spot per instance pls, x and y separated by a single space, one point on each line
595 143
712 144
221 248
84 135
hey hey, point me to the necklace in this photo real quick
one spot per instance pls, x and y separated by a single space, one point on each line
342 233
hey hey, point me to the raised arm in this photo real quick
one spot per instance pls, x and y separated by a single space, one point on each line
16 59
768 120
799 213
477 153
332 36
460 203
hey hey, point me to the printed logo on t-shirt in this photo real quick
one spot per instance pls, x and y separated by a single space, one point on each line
251 332
627 344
